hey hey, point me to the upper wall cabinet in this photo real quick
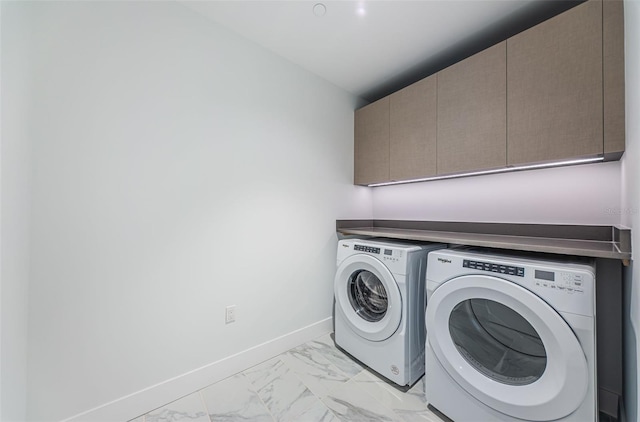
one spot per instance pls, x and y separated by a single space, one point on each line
371 143
472 104
554 85
413 131
613 69
552 93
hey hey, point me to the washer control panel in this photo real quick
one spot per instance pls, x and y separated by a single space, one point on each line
494 268
369 249
388 255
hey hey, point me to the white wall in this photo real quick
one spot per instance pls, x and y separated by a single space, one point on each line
586 194
177 169
631 205
14 212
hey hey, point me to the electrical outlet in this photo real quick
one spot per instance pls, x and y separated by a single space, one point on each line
230 314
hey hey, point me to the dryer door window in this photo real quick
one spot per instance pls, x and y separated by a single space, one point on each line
497 341
368 296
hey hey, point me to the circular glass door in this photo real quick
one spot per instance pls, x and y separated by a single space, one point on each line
506 347
497 341
368 297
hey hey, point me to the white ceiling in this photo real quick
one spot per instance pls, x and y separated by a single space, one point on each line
361 45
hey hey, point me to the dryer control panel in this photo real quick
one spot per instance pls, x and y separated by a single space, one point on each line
562 281
568 285
565 282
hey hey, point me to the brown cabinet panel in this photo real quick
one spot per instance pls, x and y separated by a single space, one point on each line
613 74
472 113
553 92
371 143
413 131
554 88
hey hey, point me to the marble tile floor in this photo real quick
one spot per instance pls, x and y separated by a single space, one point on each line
314 382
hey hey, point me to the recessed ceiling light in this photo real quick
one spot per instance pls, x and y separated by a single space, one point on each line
319 9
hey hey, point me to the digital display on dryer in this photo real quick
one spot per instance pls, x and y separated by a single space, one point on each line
545 275
388 252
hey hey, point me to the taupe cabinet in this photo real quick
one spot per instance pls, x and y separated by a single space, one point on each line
371 143
472 104
553 92
613 83
413 131
554 79
395 137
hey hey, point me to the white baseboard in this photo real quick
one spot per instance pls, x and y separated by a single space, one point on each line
143 401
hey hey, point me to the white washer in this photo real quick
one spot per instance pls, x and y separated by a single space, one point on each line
380 303
510 338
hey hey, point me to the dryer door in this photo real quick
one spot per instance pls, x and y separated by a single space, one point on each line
368 296
507 347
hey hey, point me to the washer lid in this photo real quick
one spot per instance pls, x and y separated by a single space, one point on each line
368 296
507 348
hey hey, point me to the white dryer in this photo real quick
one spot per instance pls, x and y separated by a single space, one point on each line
510 338
380 303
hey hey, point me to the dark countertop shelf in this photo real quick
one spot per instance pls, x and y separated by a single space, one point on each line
612 242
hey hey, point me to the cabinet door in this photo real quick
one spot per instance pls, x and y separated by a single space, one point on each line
554 86
371 143
472 113
412 152
613 76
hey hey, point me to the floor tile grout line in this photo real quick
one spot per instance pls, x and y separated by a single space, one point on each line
295 374
393 411
253 389
290 370
144 417
332 364
346 356
328 408
382 404
204 403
